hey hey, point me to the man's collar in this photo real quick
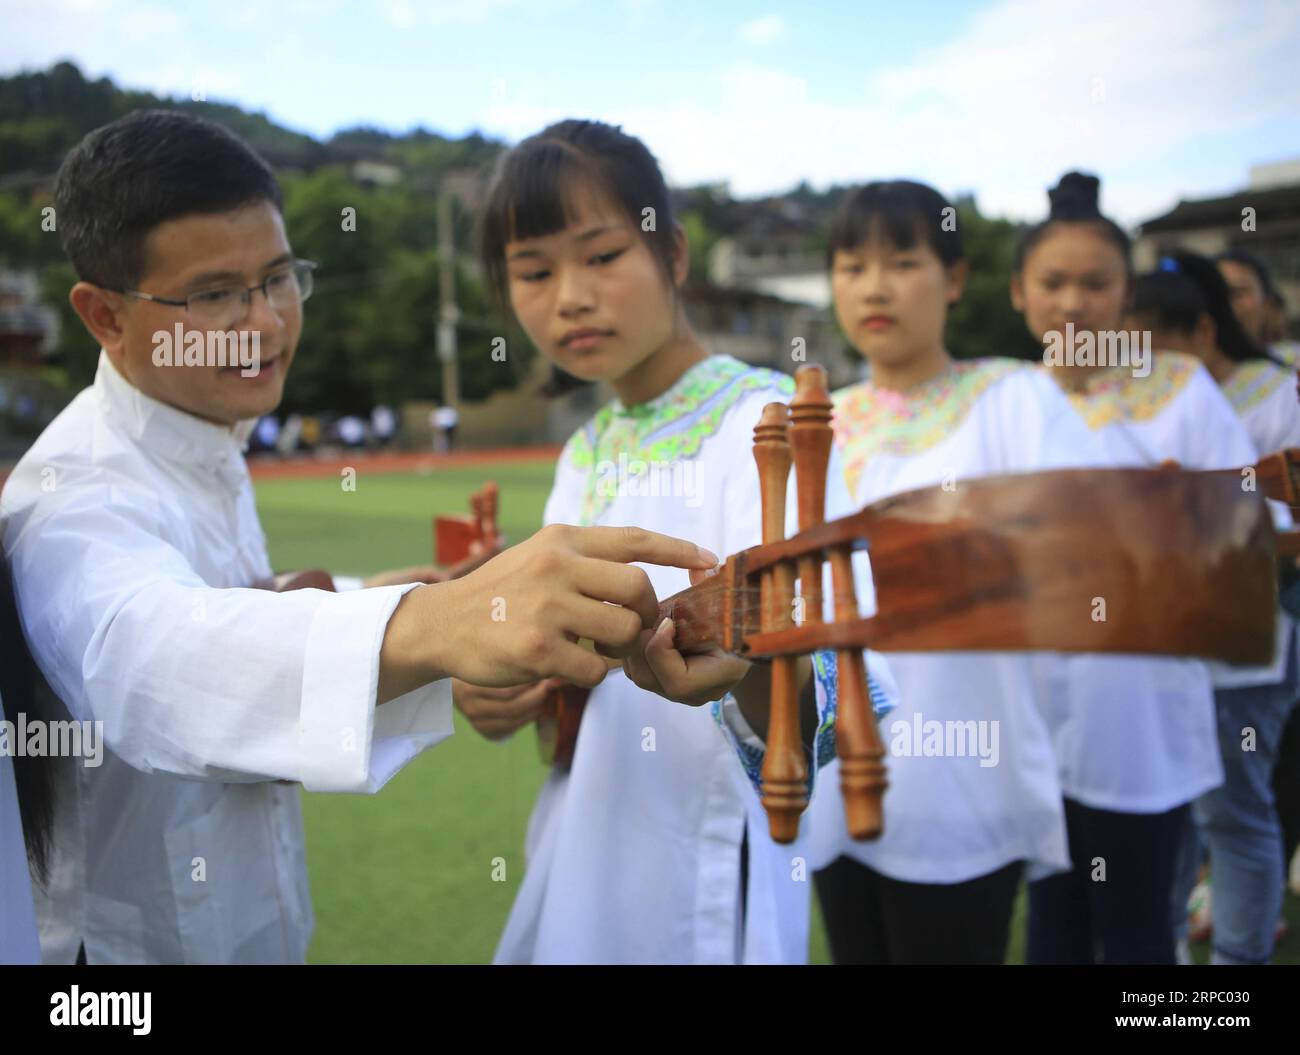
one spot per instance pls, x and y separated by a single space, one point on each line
171 433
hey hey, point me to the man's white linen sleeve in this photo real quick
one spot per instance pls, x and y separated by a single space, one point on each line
213 684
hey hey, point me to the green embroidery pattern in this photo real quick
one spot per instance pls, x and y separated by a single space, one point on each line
669 428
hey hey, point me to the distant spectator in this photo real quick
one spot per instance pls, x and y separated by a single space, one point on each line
290 434
444 421
310 432
267 432
352 430
383 424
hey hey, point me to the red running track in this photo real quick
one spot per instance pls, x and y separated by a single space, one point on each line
261 468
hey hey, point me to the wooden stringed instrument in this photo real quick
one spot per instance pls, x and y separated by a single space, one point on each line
1184 562
461 544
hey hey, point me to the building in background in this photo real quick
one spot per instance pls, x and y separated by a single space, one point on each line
768 288
1263 219
29 334
29 329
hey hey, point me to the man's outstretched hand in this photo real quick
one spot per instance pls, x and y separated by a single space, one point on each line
518 619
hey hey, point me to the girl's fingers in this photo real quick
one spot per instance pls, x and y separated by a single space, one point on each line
665 662
636 668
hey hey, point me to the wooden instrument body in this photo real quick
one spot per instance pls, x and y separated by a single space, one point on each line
558 724
462 544
453 538
1113 560
1149 561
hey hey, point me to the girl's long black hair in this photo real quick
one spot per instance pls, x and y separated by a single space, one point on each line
1185 287
24 692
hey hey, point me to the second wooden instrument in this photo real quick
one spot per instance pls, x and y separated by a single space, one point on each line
456 538
461 544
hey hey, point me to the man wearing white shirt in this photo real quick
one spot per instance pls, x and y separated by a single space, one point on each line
132 535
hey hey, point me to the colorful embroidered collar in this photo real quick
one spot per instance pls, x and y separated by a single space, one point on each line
667 429
1254 381
1117 395
871 421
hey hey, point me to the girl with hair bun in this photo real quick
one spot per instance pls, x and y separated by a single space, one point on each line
1135 735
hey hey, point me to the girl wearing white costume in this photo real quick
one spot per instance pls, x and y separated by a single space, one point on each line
653 848
1261 310
1134 735
961 819
1186 305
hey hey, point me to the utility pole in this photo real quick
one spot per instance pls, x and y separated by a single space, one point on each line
448 311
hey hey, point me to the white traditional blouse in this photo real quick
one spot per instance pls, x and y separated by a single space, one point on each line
1264 396
973 782
634 855
1136 734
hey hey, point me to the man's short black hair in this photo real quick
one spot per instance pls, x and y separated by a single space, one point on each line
124 179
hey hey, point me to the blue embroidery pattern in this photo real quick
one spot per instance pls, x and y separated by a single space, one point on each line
825 670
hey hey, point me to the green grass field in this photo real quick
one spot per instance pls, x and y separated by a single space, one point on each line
406 876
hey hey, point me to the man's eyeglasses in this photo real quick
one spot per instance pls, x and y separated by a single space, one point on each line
224 306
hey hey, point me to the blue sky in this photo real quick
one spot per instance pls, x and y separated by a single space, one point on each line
1162 99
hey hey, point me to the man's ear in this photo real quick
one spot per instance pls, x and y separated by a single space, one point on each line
681 255
1017 292
101 313
956 275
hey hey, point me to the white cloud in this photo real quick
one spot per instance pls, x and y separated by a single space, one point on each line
94 33
1003 105
754 88
408 14
1022 95
764 30
401 14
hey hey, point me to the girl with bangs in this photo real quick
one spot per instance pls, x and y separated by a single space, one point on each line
939 885
1135 736
1186 306
653 848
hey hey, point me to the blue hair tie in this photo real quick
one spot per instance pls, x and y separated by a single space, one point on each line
1168 263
